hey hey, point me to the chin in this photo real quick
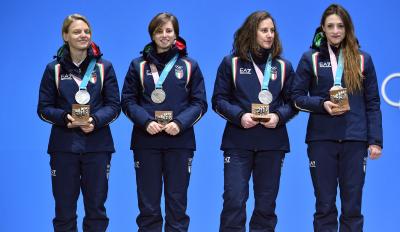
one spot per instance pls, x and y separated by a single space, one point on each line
335 43
83 46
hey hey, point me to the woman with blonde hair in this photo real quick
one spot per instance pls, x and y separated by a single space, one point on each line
79 96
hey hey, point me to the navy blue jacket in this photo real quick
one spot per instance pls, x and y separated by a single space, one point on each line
57 94
236 88
185 97
311 89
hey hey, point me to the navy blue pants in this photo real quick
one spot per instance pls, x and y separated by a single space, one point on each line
153 167
338 163
72 172
238 167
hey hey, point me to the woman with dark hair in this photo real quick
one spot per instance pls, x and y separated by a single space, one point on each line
79 95
337 84
256 105
164 108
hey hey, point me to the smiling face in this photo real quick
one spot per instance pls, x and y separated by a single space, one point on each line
334 29
78 35
265 33
164 37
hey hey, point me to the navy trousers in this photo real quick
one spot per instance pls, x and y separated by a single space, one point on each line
334 163
71 173
238 167
153 167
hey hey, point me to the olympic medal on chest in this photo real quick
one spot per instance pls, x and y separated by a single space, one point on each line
81 112
265 97
158 96
82 96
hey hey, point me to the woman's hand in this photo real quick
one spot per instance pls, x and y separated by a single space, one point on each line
247 121
375 151
154 128
328 105
70 123
273 121
89 127
172 128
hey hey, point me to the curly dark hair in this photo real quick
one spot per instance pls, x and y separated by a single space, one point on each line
245 38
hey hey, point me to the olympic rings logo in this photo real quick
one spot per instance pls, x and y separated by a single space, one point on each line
383 90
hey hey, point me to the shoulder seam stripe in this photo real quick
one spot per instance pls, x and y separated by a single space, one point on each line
188 71
315 67
283 71
141 72
234 69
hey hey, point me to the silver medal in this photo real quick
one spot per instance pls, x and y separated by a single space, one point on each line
82 96
158 96
265 97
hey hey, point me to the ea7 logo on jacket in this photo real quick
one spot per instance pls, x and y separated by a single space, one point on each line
324 64
246 71
66 76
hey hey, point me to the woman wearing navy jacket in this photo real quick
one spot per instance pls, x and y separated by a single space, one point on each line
164 96
338 138
80 154
255 73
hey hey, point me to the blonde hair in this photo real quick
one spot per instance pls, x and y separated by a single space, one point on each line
69 20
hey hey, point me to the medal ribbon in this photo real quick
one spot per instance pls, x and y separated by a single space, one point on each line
88 73
337 66
159 80
264 79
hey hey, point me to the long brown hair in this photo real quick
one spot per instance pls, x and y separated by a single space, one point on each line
245 38
351 56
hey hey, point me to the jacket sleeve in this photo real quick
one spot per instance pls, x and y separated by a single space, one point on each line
47 108
197 103
300 88
372 102
287 111
111 103
223 91
131 92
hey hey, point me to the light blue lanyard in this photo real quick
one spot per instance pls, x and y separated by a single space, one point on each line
267 72
165 71
88 74
339 71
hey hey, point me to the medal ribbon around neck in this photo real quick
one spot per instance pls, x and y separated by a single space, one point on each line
159 80
264 79
88 74
337 66
83 96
